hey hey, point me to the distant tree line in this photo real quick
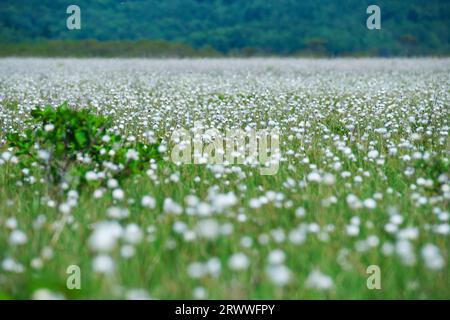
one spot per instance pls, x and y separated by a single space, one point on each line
109 49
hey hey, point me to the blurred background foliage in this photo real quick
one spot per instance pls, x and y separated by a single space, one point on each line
224 27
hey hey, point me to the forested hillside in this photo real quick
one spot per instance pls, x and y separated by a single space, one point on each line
413 27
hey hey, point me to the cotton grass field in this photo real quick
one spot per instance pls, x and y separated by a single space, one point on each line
363 180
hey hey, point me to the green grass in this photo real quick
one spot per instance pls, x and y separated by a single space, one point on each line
161 259
163 271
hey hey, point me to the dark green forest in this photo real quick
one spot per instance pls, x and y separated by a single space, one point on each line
224 27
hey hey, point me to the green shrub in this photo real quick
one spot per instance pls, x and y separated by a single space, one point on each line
77 147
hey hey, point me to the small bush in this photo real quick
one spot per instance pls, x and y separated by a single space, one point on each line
77 147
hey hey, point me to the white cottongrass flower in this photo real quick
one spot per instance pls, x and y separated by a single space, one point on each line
314 177
43 155
405 251
238 261
328 179
203 209
11 223
180 227
64 208
196 270
255 203
408 233
17 237
46 294
373 154
112 183
353 201
37 263
98 193
103 263
132 155
137 294
117 213
279 275
171 206
396 219
191 200
276 257
49 127
174 177
148 202
105 236
47 253
352 230
132 233
11 265
226 229
432 257
370 203
208 229
91 176
213 266
72 194
246 242
199 293
6 156
387 248
118 194
223 201
319 281
297 236
162 148
127 251
300 212
443 228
